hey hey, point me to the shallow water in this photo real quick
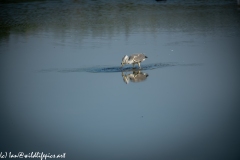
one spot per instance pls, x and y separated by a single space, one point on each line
111 69
63 89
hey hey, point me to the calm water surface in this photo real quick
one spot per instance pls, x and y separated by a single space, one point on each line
62 90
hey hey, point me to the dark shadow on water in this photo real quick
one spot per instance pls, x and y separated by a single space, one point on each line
99 69
112 69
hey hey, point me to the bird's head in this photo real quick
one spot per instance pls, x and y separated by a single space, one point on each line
124 60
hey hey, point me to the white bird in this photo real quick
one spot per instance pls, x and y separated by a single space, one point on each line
133 59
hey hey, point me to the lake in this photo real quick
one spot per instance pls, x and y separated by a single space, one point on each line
63 89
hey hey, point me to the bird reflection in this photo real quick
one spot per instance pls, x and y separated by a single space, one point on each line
136 76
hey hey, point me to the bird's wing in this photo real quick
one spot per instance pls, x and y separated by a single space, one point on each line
138 57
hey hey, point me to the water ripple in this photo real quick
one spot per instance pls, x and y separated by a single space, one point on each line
112 69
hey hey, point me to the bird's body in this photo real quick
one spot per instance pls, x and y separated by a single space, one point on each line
134 59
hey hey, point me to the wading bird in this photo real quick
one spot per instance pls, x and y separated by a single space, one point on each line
133 59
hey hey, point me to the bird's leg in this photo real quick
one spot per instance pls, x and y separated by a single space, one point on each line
139 65
133 65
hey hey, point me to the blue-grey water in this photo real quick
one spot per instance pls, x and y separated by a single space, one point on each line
62 89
